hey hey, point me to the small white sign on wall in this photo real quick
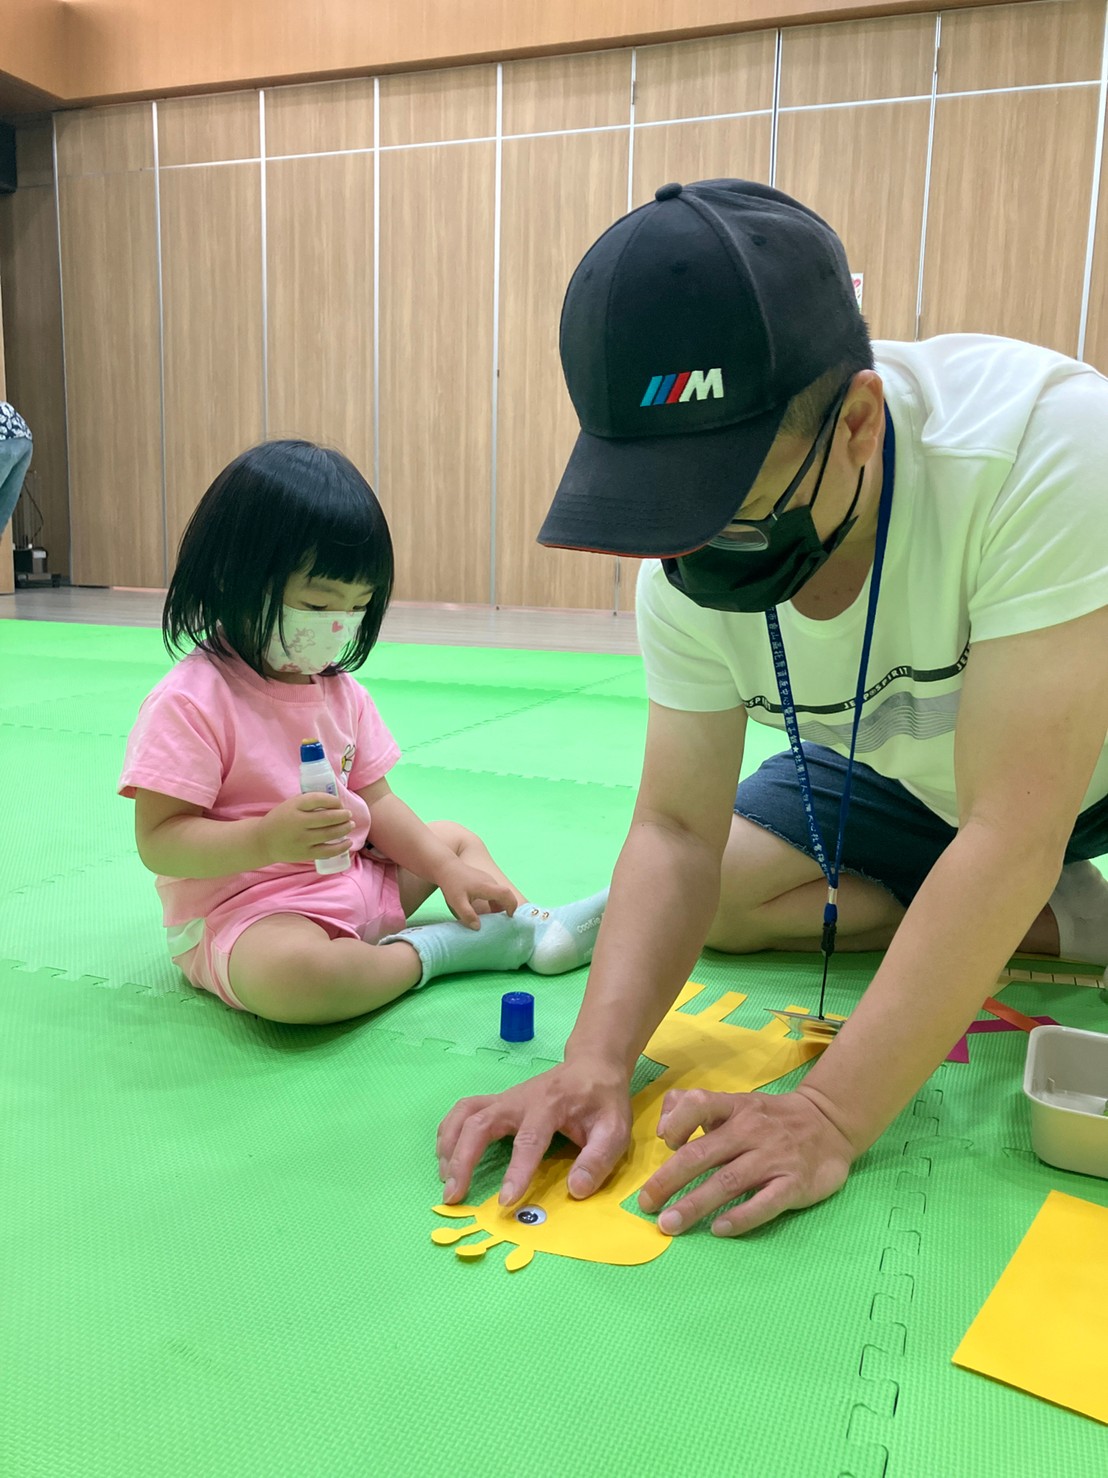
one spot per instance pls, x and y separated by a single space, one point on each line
858 278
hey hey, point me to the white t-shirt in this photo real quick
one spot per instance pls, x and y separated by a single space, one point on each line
999 526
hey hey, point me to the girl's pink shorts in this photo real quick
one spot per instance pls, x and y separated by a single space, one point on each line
361 903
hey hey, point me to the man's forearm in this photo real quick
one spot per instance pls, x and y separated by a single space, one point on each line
665 891
961 928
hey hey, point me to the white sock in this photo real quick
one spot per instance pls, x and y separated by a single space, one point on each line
564 937
548 940
503 942
1079 904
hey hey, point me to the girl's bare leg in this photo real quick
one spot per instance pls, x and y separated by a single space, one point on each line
287 968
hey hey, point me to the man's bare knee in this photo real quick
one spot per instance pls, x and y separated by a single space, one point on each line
733 936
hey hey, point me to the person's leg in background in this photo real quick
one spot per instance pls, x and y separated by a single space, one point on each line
15 457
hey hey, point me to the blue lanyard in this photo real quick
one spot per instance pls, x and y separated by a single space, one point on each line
788 708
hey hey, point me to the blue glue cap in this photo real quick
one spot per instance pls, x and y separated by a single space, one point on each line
517 1016
311 750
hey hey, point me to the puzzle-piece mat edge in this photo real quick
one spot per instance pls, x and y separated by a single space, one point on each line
870 1437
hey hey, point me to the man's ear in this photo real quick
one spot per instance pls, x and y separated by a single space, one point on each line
863 415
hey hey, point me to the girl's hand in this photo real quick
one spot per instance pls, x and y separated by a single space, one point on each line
305 828
465 887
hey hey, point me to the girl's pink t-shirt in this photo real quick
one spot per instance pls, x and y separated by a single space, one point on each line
216 733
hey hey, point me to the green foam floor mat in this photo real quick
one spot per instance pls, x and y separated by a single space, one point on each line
220 1235
215 1232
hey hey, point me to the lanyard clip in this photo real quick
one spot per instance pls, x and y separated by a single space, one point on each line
827 939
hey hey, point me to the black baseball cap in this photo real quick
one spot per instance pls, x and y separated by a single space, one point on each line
686 330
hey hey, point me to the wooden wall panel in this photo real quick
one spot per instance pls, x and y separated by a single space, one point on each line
105 140
1096 338
1008 215
864 169
34 154
110 299
33 344
205 130
319 117
853 61
725 148
695 79
555 92
319 241
1005 252
212 275
537 425
436 282
121 47
425 107
34 43
1021 45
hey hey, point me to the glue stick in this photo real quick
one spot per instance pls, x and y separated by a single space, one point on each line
316 774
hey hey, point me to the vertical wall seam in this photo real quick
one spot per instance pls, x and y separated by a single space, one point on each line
61 314
776 111
1094 201
265 262
927 174
161 338
376 307
495 407
631 131
617 563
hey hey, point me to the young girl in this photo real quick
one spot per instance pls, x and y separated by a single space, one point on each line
282 581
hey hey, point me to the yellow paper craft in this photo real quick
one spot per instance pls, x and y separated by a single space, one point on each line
701 1051
1042 1327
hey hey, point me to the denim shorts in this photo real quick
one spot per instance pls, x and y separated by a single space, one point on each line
891 837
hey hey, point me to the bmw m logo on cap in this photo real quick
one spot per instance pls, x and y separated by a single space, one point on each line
683 385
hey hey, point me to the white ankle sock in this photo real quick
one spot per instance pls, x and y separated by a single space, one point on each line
548 940
1079 904
503 942
564 937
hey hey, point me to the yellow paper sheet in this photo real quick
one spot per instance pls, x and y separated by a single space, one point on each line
699 1050
1043 1326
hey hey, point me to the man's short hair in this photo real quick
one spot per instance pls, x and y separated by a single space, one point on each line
805 412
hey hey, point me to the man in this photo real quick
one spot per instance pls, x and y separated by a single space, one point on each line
734 425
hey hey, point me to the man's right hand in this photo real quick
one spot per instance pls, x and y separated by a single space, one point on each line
589 1103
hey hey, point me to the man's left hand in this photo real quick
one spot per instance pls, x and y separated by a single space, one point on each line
780 1150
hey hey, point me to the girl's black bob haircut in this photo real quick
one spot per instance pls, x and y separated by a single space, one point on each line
280 509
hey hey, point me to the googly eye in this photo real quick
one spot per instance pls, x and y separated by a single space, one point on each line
531 1216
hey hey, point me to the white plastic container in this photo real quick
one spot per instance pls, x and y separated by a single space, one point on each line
1066 1080
316 774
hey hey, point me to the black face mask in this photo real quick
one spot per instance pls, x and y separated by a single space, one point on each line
722 579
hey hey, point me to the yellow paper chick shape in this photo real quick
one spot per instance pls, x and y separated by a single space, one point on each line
701 1051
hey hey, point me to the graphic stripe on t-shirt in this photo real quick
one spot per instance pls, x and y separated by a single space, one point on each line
920 675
